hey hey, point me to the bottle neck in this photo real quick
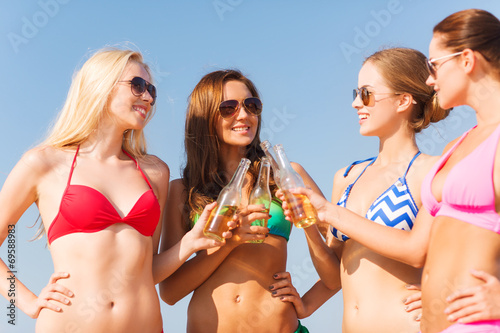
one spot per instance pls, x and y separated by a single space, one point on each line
289 178
282 160
264 174
239 175
272 160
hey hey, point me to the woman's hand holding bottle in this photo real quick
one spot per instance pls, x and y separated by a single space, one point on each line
245 231
197 239
323 207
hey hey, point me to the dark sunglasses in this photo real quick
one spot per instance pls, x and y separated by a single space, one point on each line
431 63
229 108
139 86
365 95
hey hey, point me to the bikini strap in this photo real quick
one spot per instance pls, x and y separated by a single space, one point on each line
73 166
411 162
138 167
372 159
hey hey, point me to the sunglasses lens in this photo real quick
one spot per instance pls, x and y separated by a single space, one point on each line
363 93
365 96
152 92
431 69
138 86
228 108
253 105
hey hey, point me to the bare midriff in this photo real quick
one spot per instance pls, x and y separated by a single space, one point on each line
374 291
112 281
236 297
455 248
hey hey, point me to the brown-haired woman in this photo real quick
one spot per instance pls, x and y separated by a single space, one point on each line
378 199
462 191
231 284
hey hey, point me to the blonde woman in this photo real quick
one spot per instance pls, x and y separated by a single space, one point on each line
100 196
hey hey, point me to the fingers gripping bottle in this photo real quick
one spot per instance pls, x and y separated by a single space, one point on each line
266 147
303 213
228 201
261 195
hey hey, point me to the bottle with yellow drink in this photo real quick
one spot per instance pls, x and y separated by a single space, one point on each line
227 203
266 147
303 213
261 195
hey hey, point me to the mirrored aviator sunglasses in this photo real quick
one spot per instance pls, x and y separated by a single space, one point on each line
229 108
363 93
139 86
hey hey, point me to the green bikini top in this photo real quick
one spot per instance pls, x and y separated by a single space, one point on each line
277 224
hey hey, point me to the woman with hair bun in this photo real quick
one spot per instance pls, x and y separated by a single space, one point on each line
462 190
101 198
370 250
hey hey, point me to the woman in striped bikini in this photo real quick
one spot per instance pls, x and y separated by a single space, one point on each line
393 103
457 234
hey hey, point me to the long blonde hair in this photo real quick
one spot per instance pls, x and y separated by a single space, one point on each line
88 98
87 102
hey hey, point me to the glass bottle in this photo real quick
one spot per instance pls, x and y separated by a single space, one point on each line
228 201
303 213
266 147
261 195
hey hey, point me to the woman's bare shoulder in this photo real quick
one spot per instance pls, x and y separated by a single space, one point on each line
155 168
44 159
424 163
348 174
341 180
177 190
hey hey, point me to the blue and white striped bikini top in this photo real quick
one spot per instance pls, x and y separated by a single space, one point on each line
394 208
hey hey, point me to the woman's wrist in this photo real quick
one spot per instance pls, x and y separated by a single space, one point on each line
332 216
187 245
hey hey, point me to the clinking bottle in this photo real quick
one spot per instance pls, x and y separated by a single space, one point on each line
228 201
261 195
266 147
303 213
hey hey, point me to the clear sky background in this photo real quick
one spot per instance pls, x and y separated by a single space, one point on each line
303 56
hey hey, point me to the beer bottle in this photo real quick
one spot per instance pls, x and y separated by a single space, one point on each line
303 213
266 147
261 195
228 201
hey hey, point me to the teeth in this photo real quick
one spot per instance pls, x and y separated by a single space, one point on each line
363 116
239 129
141 110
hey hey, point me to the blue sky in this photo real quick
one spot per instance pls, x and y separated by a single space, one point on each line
304 57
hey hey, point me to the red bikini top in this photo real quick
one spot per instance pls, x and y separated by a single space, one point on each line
84 209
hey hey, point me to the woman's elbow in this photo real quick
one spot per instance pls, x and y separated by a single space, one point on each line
166 295
417 260
331 283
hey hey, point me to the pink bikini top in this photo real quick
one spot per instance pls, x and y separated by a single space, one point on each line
468 192
84 209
